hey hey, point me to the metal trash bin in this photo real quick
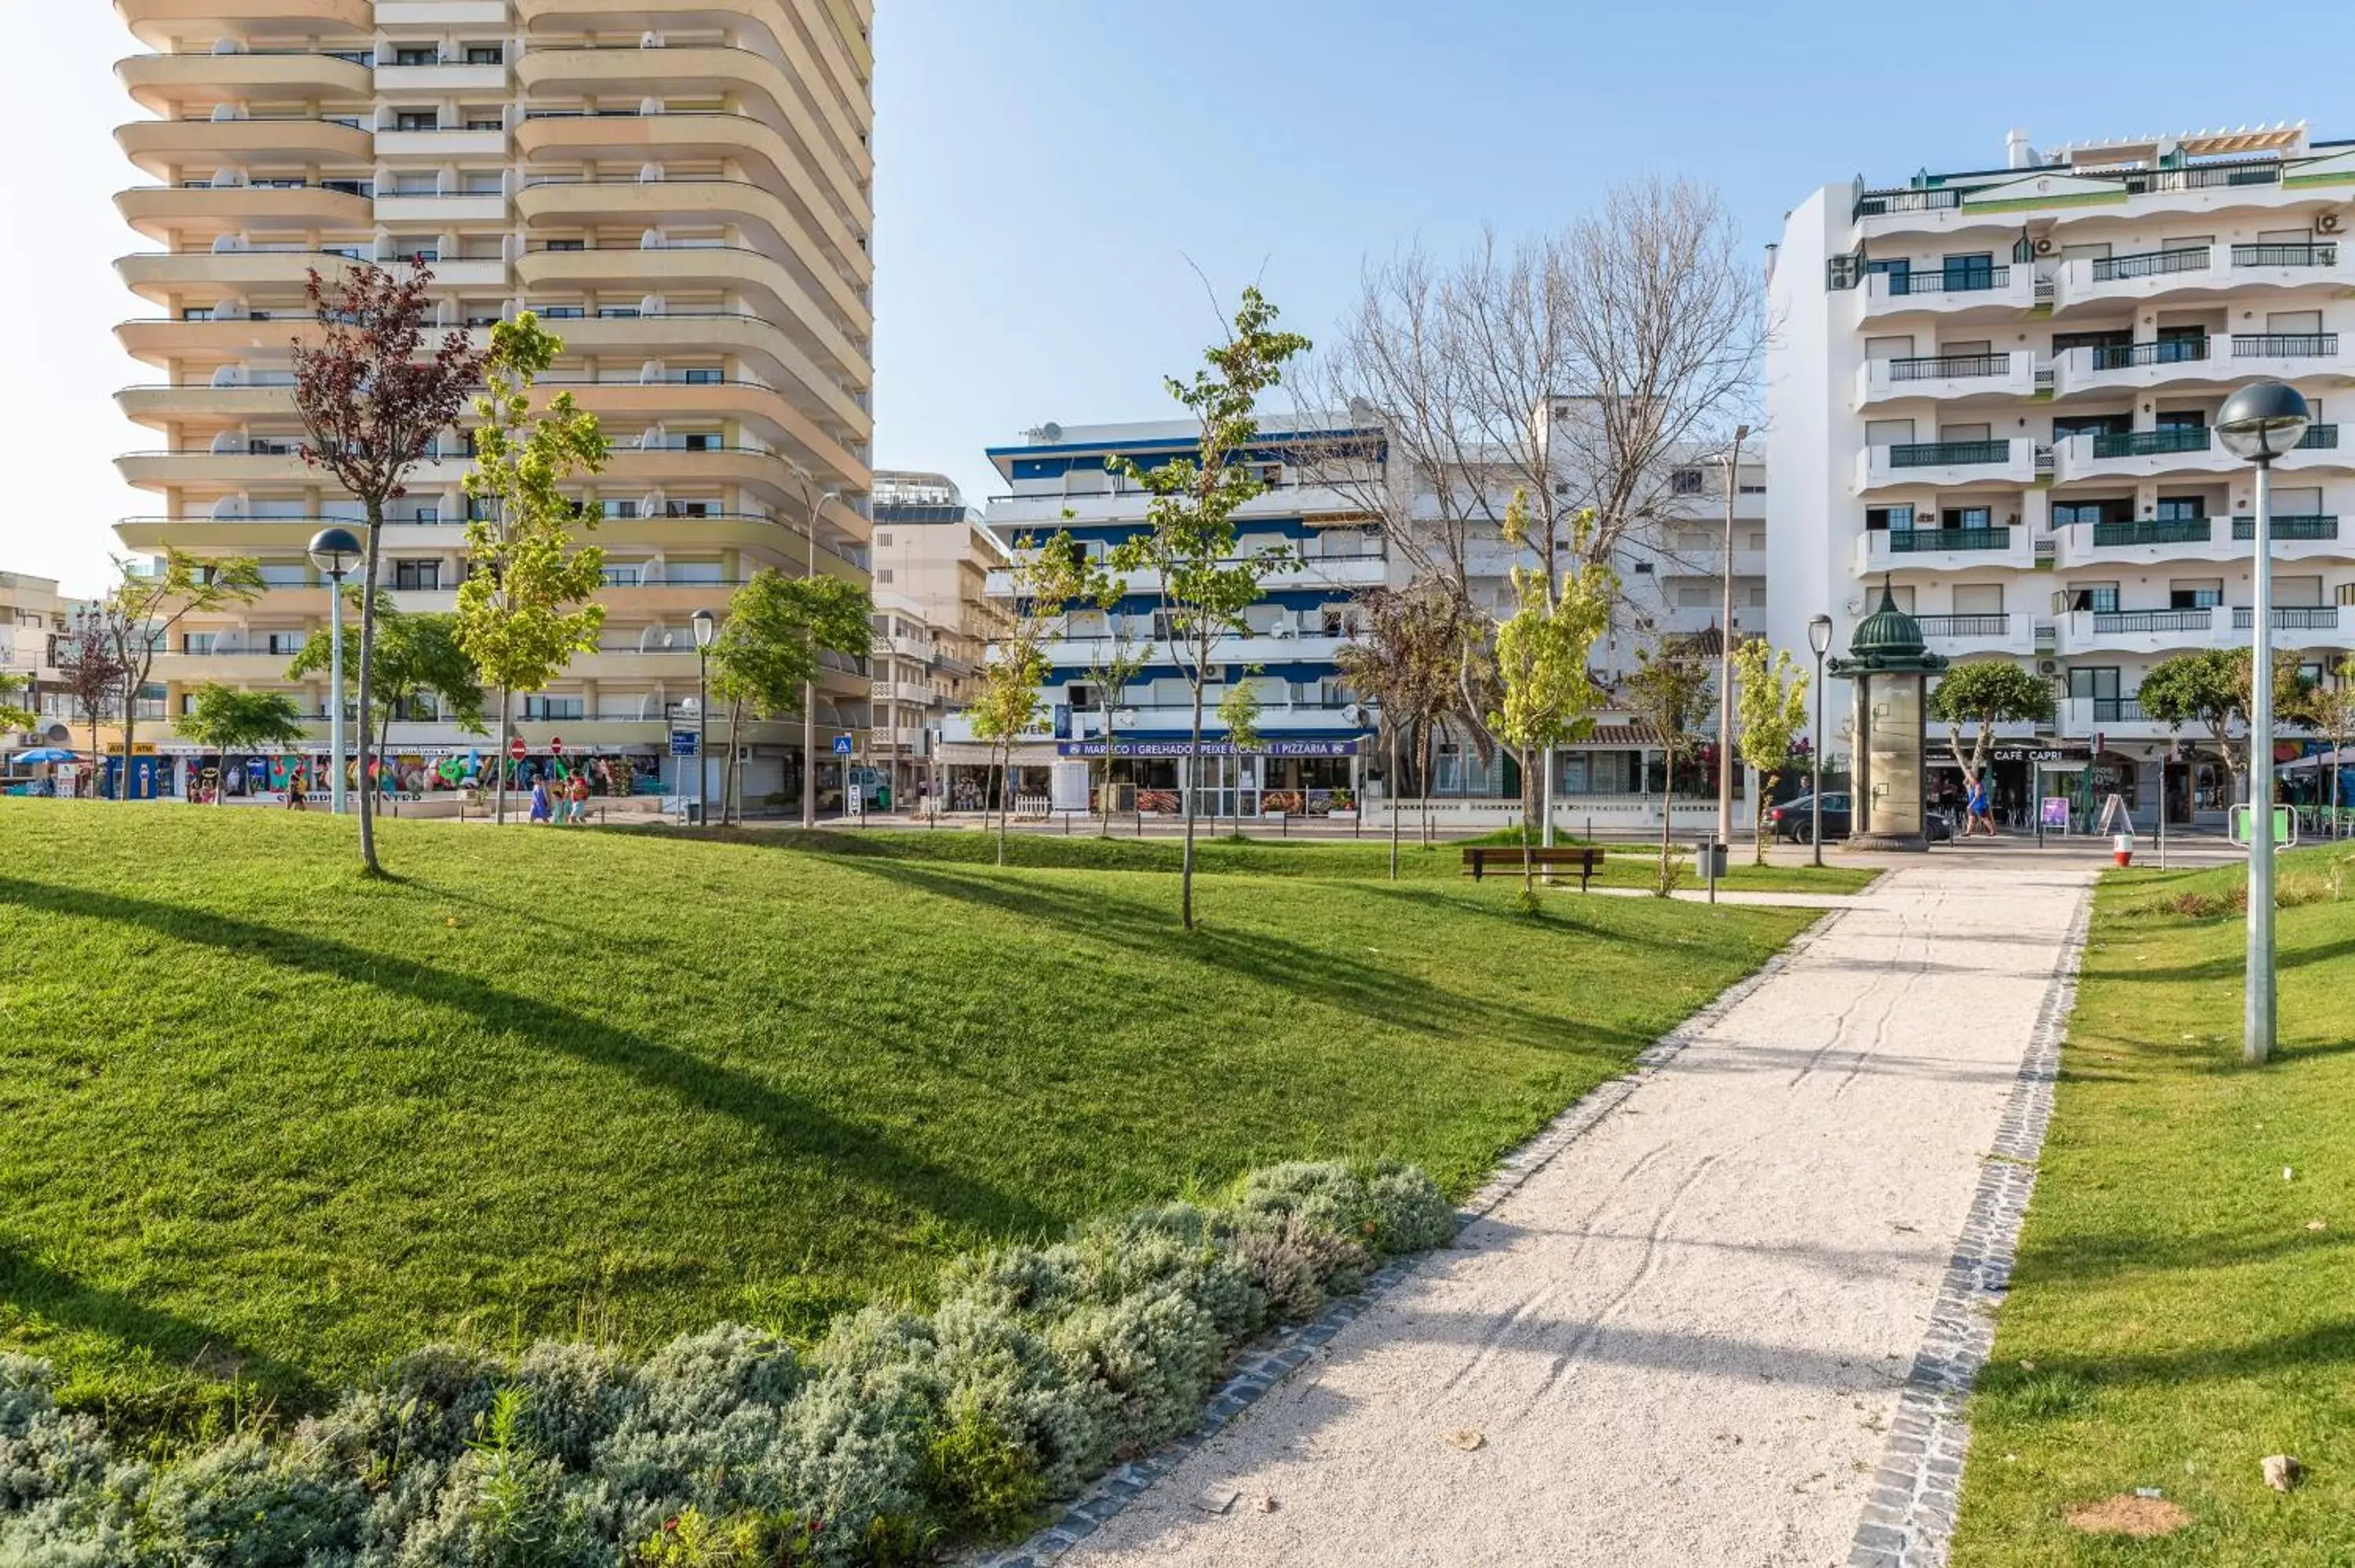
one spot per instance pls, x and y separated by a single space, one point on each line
1709 859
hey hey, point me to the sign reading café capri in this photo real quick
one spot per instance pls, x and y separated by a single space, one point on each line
1210 749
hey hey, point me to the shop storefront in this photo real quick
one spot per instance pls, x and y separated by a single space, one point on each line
1297 777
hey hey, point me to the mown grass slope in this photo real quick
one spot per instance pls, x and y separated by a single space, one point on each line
268 1123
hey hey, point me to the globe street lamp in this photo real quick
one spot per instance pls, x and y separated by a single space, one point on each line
2259 423
1819 637
707 626
334 551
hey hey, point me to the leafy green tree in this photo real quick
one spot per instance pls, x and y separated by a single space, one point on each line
765 656
1546 693
1772 696
1120 659
1407 656
1667 692
1238 710
2211 687
2331 710
11 716
147 606
229 719
527 605
1048 576
416 656
1987 692
1190 543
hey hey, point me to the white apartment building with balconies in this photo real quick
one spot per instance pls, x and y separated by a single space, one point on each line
1994 390
681 190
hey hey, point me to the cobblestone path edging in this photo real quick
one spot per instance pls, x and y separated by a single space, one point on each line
1909 1519
1263 1368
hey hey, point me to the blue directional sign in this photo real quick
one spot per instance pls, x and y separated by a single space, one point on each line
682 742
842 746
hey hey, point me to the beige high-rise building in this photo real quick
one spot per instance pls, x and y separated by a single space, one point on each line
680 188
934 621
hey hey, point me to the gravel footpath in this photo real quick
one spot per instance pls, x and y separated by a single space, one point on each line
1683 1340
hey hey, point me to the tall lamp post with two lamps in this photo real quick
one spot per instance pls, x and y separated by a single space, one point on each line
707 626
334 551
2259 423
1819 638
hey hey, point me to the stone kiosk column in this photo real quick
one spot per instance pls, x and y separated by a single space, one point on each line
1890 667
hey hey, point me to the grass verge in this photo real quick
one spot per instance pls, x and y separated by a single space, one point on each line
2185 1299
268 1122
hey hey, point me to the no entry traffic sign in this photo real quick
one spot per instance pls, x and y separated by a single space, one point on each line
516 750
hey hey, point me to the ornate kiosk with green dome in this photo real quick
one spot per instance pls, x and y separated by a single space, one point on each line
1890 667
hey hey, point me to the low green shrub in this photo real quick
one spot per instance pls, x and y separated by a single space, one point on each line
1041 1367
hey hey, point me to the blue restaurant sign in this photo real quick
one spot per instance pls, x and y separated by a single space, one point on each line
1210 749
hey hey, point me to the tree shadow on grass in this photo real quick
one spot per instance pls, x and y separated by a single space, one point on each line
790 1126
1380 994
75 1305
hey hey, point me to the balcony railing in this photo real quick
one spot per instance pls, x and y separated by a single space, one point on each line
2164 351
2290 525
2152 443
2163 531
2321 253
2150 263
1965 625
2290 617
2319 439
2133 621
1872 204
2113 710
2203 176
1956 366
2285 344
1960 281
1920 540
1939 454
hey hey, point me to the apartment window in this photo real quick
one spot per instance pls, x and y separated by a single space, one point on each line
197 641
882 541
417 575
699 442
196 314
619 509
1695 597
484 182
620 577
1685 482
545 707
2072 514
1969 518
2091 425
2182 508
407 56
883 574
2181 419
688 509
703 377
2100 597
1757 595
2298 592
1888 519
2195 593
486 54
565 245
2095 683
417 120
285 575
692 571
486 125
1978 598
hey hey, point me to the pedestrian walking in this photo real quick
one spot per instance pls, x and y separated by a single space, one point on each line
578 793
541 811
294 791
1981 813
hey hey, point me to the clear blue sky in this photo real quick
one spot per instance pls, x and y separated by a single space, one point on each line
1047 168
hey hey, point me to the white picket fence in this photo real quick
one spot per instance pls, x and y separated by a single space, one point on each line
1603 813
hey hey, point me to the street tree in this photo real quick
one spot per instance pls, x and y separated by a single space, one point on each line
1238 710
527 603
416 657
1405 658
2332 709
147 606
1667 692
13 716
1546 695
1120 658
229 719
764 660
92 670
1771 692
375 397
1205 580
2210 688
1984 693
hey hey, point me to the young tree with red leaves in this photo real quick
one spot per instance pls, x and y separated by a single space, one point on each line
93 672
374 395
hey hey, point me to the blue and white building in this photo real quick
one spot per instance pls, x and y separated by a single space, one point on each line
1316 735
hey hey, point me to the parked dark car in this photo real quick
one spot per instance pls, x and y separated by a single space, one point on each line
1794 820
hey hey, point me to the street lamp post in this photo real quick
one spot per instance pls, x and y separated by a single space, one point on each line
1819 637
1724 836
333 551
707 626
2260 422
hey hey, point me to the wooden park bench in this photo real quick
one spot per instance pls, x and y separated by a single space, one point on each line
1588 860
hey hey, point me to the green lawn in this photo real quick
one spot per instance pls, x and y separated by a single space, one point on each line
1626 865
264 1117
2176 1315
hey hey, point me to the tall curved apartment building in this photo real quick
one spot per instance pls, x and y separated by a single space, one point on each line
680 188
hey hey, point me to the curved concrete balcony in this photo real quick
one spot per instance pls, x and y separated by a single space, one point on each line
1967 636
2003 463
546 203
1985 294
2149 542
745 139
2159 631
1948 379
766 475
772 289
157 22
2191 274
2002 548
209 471
160 211
704 70
164 276
172 85
158 146
441 209
753 402
198 403
772 351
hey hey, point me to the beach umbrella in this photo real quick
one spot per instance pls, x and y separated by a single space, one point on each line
46 754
